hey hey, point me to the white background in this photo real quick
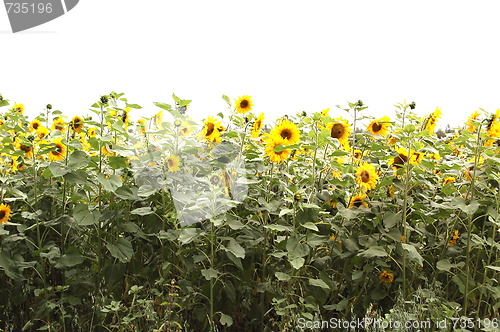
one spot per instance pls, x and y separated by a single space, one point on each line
288 55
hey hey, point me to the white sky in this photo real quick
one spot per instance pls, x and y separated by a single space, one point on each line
288 55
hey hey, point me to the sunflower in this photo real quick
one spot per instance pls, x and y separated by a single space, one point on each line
211 130
19 108
454 239
91 132
59 152
380 126
325 112
357 201
431 121
2 122
340 129
173 163
59 124
158 118
450 179
27 149
107 150
4 213
470 121
34 125
276 156
366 176
244 104
42 132
287 131
76 124
125 116
337 174
186 130
257 126
402 158
386 277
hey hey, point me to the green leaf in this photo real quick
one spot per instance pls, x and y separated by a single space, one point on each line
225 319
496 268
210 273
285 211
297 263
117 162
69 260
135 106
295 248
84 217
121 249
169 108
391 219
187 235
143 211
282 276
227 100
413 254
110 183
318 283
311 226
78 159
146 191
74 177
58 169
446 265
279 228
127 193
235 248
459 202
375 251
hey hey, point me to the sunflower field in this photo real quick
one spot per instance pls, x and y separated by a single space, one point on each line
242 224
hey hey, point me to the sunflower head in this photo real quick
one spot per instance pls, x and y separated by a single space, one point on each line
448 180
244 104
380 126
366 176
402 158
34 125
76 124
386 277
471 120
357 201
19 108
281 154
107 149
59 124
287 131
257 126
59 151
173 164
42 132
92 132
431 121
4 213
211 130
340 129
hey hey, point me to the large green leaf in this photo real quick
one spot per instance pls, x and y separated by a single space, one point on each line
121 249
78 159
84 216
375 251
110 183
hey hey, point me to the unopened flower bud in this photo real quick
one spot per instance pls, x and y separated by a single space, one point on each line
413 105
49 106
104 99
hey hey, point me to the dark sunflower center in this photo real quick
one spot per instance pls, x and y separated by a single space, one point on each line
286 134
25 148
58 150
365 176
35 125
376 127
170 163
210 129
337 131
400 159
357 202
244 103
2 214
58 127
258 124
386 276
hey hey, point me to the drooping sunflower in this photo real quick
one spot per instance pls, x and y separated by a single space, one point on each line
386 277
59 152
42 132
126 116
211 130
173 163
19 108
470 121
340 129
380 126
59 124
357 201
76 124
34 125
276 156
4 214
244 104
366 176
257 126
287 131
27 149
431 121
141 126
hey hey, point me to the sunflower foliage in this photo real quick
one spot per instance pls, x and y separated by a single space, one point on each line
236 222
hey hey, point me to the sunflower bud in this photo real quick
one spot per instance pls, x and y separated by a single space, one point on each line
413 105
31 138
1 97
247 120
177 123
297 197
104 99
304 113
360 103
49 106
